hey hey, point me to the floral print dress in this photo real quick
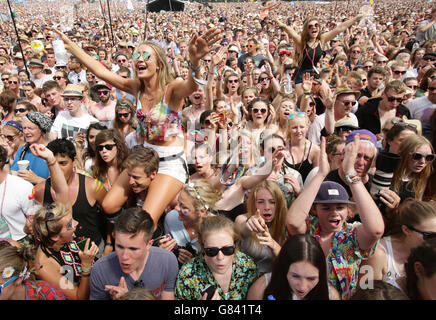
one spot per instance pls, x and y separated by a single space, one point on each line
194 277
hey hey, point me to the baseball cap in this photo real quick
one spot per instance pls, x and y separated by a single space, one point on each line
332 192
364 135
102 85
233 48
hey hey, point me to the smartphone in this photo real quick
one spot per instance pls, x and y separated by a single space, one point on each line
81 244
210 290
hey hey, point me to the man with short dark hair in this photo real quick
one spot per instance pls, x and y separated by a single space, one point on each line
77 73
376 77
252 46
135 262
52 95
104 110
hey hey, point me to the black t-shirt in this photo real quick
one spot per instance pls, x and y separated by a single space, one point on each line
334 176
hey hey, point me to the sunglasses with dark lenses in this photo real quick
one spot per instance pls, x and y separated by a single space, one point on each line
108 147
392 99
382 61
10 138
57 78
350 103
311 26
14 82
345 129
227 251
418 156
146 55
5 79
399 72
20 110
413 87
232 81
101 93
429 59
121 60
7 282
431 89
425 235
123 115
256 110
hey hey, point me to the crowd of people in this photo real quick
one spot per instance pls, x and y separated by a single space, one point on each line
263 151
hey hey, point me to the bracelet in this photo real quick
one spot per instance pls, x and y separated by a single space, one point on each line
86 270
109 245
352 178
85 274
193 68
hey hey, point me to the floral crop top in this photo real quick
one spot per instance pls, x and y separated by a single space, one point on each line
160 123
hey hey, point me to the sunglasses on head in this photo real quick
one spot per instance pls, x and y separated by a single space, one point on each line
123 115
145 55
425 235
227 251
418 156
108 147
297 114
392 99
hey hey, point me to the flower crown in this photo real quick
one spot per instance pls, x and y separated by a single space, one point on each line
192 186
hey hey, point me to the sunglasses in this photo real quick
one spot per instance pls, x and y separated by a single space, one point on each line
413 87
429 59
105 92
5 79
14 82
10 138
263 79
311 26
7 282
58 78
297 114
382 61
2 64
355 51
227 251
418 156
349 103
367 67
145 55
431 89
392 99
232 81
20 110
121 60
207 60
399 72
108 147
425 235
256 110
123 115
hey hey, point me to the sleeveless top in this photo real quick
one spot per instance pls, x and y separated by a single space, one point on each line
261 254
304 167
309 55
160 123
68 258
91 221
392 275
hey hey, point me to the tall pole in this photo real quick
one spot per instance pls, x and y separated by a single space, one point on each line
18 37
110 22
145 23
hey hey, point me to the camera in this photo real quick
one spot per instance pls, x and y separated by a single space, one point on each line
385 164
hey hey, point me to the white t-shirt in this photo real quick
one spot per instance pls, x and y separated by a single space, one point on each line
314 133
15 204
40 82
421 108
66 126
177 229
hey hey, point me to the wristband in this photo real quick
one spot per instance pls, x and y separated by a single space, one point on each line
86 270
109 245
85 274
352 178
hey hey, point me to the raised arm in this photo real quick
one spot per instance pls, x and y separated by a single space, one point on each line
124 84
372 227
326 37
117 195
290 31
300 208
58 182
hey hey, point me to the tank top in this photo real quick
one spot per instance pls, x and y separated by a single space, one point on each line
304 167
392 275
68 258
160 123
311 57
91 221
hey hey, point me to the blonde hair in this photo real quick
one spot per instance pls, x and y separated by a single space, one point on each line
17 258
418 181
46 222
203 194
277 229
164 76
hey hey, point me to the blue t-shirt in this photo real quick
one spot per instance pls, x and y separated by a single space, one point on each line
36 164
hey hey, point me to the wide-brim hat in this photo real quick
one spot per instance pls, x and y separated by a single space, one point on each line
346 90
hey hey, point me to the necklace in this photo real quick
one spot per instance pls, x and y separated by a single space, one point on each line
302 159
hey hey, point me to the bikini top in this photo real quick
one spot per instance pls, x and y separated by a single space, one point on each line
160 123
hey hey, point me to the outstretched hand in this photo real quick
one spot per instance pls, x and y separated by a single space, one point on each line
199 46
41 151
